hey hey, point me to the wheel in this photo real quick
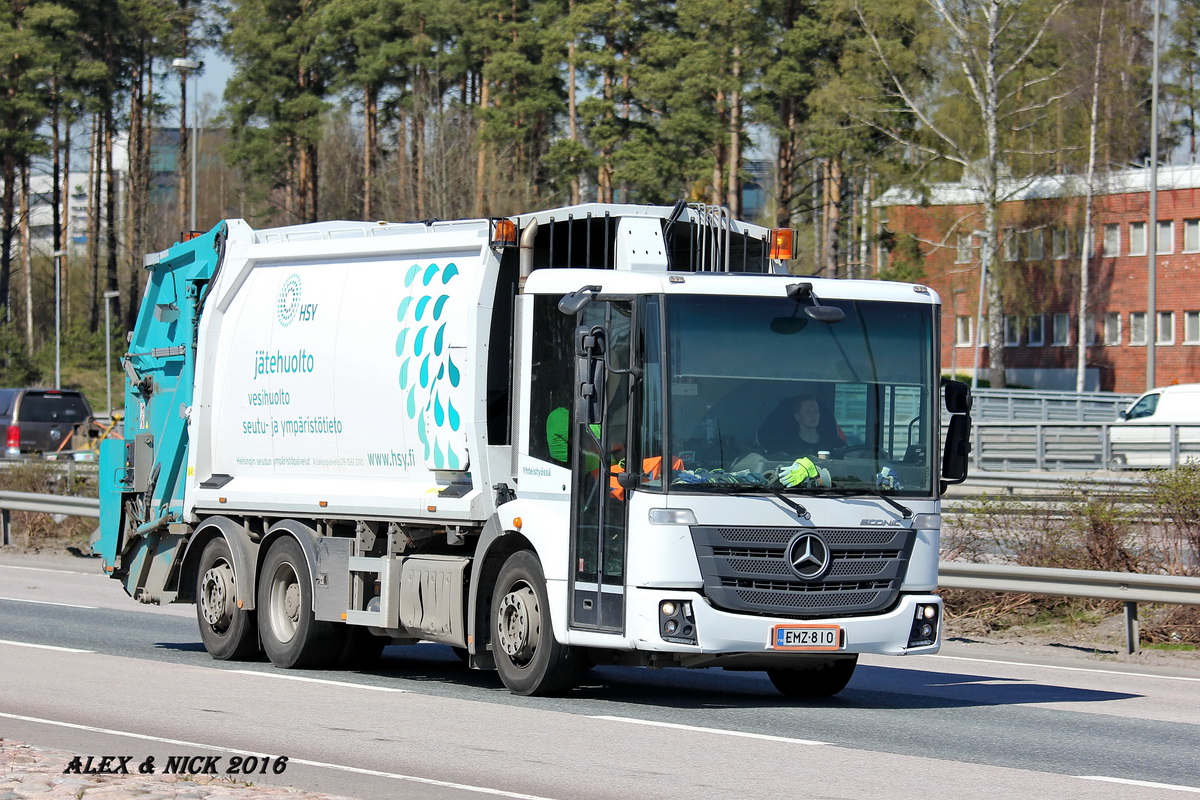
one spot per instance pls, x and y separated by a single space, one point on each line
228 632
863 450
529 659
291 634
1117 463
360 649
815 679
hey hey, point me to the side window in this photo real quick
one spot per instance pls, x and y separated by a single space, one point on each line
550 385
1144 407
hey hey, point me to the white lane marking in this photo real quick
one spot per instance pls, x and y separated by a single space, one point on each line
315 680
720 731
1147 784
1069 669
47 569
305 762
44 646
47 603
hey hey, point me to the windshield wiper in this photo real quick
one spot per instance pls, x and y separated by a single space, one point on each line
903 509
800 510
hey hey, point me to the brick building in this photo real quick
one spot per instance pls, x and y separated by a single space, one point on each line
1038 262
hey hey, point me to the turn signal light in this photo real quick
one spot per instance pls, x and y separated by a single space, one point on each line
783 244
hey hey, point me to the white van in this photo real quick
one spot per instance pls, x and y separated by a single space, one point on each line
1142 437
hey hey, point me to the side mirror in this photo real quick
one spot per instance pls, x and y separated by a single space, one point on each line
1122 414
589 372
955 457
958 397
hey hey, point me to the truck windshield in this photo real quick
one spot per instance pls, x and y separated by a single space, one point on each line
762 398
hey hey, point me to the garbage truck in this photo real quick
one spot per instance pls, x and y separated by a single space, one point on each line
597 435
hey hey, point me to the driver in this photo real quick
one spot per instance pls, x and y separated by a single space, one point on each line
807 430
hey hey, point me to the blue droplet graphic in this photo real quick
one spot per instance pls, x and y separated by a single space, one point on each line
430 272
421 304
412 273
439 305
403 310
451 271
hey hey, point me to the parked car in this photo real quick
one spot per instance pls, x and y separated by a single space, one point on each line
1142 436
42 420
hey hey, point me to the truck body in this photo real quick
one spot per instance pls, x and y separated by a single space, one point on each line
554 440
1142 437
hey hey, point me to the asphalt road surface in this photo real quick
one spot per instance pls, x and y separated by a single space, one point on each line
85 669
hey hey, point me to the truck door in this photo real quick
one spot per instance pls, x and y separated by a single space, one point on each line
599 442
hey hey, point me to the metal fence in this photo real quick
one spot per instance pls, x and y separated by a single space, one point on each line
1080 446
1029 405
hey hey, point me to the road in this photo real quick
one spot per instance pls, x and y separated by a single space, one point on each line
85 669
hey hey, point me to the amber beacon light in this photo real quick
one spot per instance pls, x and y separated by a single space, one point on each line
783 243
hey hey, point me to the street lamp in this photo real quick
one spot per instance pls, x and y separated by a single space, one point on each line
186 67
108 296
58 255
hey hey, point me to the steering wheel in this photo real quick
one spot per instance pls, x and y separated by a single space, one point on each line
864 450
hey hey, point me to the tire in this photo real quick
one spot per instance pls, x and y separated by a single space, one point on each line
820 678
291 634
228 632
528 657
360 649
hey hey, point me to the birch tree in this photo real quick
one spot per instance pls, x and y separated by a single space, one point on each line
992 49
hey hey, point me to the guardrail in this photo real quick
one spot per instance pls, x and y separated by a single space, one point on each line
1129 587
43 504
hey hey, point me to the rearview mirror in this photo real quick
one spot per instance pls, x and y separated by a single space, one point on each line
958 396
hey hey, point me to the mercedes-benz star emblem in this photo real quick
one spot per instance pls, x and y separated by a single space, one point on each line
808 554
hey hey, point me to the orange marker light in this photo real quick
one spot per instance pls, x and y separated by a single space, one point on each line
783 244
323 503
505 234
518 522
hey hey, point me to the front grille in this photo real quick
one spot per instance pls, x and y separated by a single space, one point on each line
746 569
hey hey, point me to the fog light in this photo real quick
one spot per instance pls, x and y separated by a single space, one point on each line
676 623
670 626
926 630
668 608
929 612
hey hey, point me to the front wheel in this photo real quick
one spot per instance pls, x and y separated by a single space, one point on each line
816 679
528 657
229 633
291 634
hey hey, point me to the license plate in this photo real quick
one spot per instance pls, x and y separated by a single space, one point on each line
806 637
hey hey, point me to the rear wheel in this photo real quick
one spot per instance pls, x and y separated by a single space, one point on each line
291 634
819 678
529 659
228 632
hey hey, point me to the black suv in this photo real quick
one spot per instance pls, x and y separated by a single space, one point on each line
41 420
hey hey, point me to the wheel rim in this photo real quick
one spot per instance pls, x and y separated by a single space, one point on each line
216 596
518 624
284 602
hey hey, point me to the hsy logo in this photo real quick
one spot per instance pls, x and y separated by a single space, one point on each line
289 307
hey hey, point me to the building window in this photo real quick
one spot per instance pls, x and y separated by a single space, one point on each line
1137 238
1089 327
1062 330
1035 245
1166 237
1137 327
1012 331
1166 328
1191 327
1112 328
962 331
962 254
1060 241
1009 246
1112 239
1037 330
1191 235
